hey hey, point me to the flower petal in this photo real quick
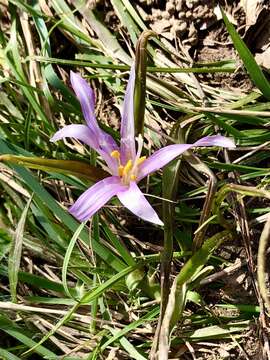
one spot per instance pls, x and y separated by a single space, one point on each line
105 143
128 150
86 96
216 140
134 200
85 135
80 132
95 197
163 156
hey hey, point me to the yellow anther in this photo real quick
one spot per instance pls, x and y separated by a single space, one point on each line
115 154
133 177
141 160
120 170
127 167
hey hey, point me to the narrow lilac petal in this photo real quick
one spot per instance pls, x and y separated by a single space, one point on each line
216 140
134 200
128 149
86 98
95 197
163 156
85 135
160 158
104 143
80 132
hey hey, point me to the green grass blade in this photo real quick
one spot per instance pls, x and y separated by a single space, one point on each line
134 325
15 253
93 294
6 355
67 258
252 67
20 334
132 351
71 167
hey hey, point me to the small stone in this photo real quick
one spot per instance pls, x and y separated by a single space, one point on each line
188 14
166 15
192 30
181 15
179 5
193 41
170 8
189 4
224 354
182 27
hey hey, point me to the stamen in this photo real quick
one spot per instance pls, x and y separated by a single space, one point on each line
127 167
115 154
141 160
120 170
133 177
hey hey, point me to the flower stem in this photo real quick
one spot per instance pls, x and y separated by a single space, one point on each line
140 82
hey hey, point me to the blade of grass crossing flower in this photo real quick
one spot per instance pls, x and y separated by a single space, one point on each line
15 253
252 67
83 60
67 258
72 167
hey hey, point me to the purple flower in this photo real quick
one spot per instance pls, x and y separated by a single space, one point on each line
125 163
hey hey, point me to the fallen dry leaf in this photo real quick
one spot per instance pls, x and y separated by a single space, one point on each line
263 59
252 9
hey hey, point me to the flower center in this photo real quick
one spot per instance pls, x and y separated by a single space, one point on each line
129 171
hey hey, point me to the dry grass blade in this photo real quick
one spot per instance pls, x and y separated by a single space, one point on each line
16 252
264 240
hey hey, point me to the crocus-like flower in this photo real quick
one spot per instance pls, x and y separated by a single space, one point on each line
125 162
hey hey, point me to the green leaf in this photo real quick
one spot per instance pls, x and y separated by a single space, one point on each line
71 167
134 325
67 258
20 334
15 253
132 351
6 355
252 67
